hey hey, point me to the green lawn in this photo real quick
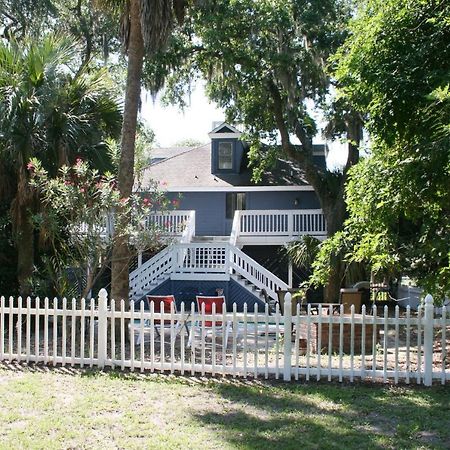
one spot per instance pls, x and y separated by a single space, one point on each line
59 408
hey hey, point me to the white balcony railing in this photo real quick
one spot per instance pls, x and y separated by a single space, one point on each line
171 223
282 224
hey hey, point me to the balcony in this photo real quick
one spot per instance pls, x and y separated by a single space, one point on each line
276 227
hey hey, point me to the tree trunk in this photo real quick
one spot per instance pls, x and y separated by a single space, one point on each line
121 251
334 211
23 231
25 250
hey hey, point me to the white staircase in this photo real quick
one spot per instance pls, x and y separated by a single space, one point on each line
196 261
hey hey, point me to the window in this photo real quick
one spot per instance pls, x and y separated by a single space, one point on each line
234 202
225 155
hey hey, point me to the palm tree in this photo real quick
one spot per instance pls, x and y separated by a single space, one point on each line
48 113
147 25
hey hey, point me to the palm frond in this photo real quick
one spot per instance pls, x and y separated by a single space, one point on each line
303 251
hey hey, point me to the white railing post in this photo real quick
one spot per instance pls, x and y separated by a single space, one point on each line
290 273
175 257
193 222
290 224
236 227
228 256
287 320
428 341
102 327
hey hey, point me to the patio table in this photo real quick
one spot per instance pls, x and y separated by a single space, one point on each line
335 307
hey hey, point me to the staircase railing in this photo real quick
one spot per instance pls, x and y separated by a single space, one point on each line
258 275
203 261
142 278
189 229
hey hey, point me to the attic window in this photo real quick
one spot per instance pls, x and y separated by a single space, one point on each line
225 155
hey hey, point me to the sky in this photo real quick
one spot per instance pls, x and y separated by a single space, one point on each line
172 126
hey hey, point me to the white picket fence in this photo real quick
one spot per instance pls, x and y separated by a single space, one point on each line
407 347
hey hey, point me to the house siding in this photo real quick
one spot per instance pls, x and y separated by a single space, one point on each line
209 211
210 206
282 200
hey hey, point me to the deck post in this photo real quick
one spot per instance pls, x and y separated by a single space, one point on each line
290 273
102 326
428 341
287 321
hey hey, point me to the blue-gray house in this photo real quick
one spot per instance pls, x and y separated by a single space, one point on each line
227 226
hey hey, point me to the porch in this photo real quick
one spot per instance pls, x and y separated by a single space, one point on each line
250 227
221 259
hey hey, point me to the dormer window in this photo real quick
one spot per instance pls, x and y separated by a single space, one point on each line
227 149
225 155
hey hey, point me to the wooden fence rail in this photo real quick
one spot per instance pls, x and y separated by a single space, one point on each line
374 345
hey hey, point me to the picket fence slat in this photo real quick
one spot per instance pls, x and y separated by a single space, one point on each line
317 344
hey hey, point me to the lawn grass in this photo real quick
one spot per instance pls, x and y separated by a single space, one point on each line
58 408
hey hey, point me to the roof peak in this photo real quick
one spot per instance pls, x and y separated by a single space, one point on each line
224 129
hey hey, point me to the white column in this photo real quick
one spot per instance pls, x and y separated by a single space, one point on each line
290 273
428 341
102 326
287 320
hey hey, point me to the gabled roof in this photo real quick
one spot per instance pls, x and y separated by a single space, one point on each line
191 170
224 130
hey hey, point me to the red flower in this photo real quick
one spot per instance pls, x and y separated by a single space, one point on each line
30 166
146 201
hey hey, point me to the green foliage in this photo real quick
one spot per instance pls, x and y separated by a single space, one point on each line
80 209
248 49
8 257
265 62
96 31
395 68
20 18
188 142
303 251
396 57
48 111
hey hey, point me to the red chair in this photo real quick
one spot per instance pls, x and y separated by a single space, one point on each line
205 305
166 301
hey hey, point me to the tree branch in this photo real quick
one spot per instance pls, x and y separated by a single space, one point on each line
302 157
